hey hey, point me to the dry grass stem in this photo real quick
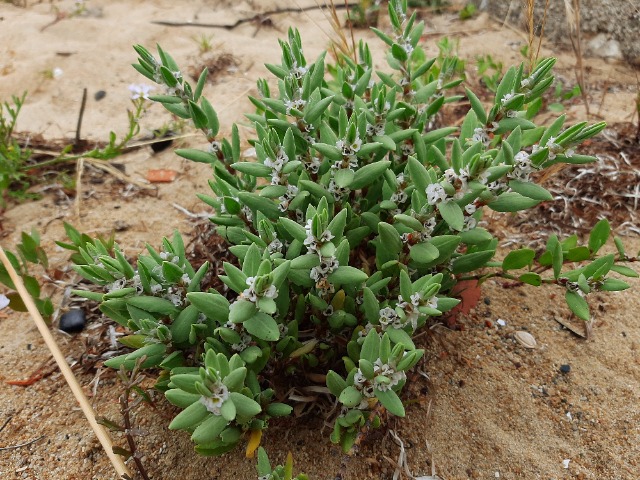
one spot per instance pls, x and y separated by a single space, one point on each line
572 7
72 381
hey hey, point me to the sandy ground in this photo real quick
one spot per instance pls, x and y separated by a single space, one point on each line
489 409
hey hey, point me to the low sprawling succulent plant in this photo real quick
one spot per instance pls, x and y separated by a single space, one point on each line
351 228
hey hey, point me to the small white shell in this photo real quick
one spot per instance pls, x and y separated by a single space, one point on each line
525 339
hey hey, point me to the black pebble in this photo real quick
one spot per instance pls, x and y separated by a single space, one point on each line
487 301
565 368
73 321
160 146
99 95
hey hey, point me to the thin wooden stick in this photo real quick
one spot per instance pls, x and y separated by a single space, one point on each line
101 433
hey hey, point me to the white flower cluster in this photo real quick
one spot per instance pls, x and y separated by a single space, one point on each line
368 387
275 246
245 341
297 71
507 97
480 135
435 193
575 287
297 103
313 244
522 167
248 214
276 166
390 318
555 149
175 296
376 129
470 222
313 165
400 196
119 284
411 307
178 89
336 191
214 147
169 257
349 151
422 236
285 199
220 394
252 295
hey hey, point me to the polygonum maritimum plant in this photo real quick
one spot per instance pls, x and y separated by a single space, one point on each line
351 229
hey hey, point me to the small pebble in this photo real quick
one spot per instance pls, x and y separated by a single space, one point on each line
501 322
73 321
565 368
159 146
99 95
487 301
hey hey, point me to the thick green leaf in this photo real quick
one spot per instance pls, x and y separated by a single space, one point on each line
213 305
180 398
262 326
531 278
452 214
518 259
245 406
152 304
512 202
471 261
390 400
350 397
578 305
626 271
366 175
210 429
614 285
347 275
423 252
599 235
335 383
530 190
189 417
241 310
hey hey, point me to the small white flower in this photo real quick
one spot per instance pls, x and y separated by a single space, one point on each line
298 72
117 285
214 403
469 224
140 90
479 135
214 147
275 246
506 98
435 193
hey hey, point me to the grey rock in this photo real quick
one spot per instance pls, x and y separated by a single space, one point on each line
73 321
604 47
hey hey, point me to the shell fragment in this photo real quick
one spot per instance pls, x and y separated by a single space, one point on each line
525 339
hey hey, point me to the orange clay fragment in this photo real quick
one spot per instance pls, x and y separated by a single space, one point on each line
161 175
